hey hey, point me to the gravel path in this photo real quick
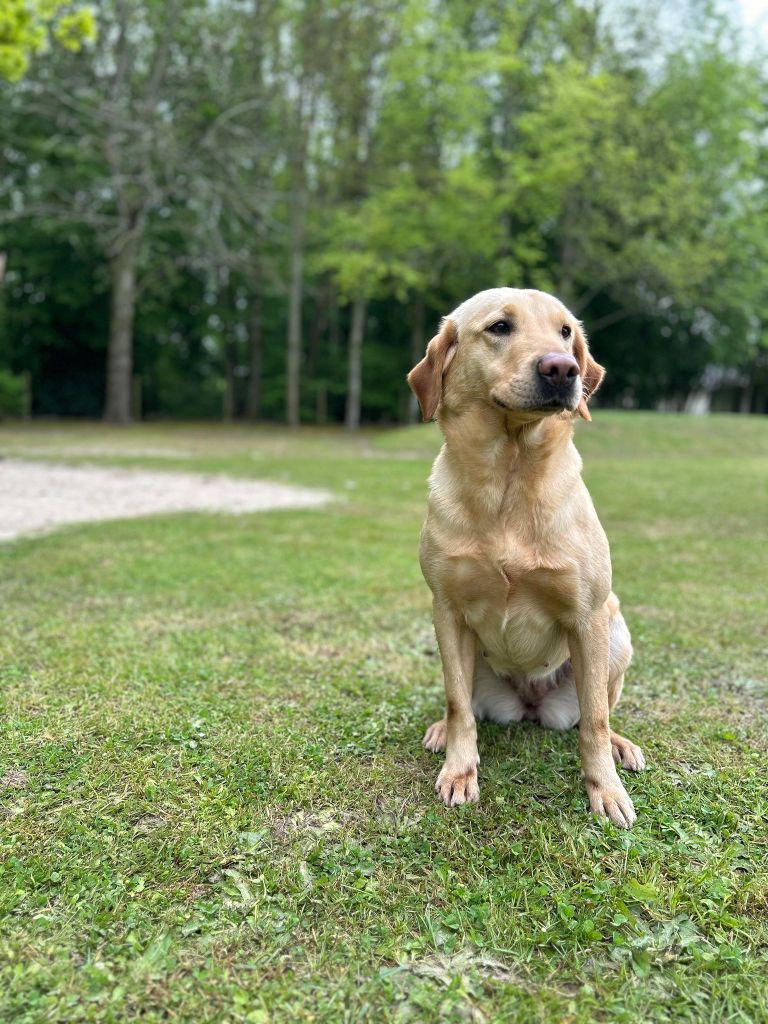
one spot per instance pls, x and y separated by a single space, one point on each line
37 497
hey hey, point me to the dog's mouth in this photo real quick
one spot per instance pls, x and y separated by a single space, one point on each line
549 405
556 404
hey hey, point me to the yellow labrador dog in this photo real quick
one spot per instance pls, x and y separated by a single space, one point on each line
512 549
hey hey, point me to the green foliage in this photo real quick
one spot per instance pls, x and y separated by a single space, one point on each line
615 156
12 391
25 26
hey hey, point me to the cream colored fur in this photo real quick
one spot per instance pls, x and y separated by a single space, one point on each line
512 548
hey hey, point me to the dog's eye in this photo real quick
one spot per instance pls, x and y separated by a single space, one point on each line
565 330
499 328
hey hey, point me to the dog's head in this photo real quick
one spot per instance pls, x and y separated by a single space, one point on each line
520 351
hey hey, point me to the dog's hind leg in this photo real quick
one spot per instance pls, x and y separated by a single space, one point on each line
625 753
493 697
620 651
435 736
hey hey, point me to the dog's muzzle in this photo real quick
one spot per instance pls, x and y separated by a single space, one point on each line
558 376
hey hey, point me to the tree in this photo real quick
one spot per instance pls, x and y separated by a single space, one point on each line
118 137
401 209
25 27
277 199
230 199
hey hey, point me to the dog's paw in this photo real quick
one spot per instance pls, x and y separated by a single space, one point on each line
627 754
458 786
435 737
612 801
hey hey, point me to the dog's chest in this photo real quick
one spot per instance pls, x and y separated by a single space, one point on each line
503 572
516 599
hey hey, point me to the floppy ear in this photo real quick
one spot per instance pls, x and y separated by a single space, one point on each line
591 373
426 378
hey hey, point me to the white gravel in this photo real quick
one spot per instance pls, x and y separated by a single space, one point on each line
36 497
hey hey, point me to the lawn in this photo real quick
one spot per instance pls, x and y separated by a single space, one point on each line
214 805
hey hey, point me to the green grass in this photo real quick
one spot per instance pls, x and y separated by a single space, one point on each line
214 805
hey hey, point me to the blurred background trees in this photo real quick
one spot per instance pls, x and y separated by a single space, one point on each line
261 208
26 26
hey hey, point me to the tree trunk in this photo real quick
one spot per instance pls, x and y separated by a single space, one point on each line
321 404
253 403
313 337
355 363
137 395
122 268
417 350
229 404
318 334
295 290
334 330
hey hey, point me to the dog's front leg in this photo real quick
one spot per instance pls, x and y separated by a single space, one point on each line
589 645
457 781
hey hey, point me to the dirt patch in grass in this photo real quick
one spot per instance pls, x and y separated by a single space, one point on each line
38 497
14 778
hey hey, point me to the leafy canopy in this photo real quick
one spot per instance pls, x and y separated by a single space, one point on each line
27 25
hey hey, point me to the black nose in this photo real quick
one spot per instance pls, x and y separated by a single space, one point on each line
558 368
